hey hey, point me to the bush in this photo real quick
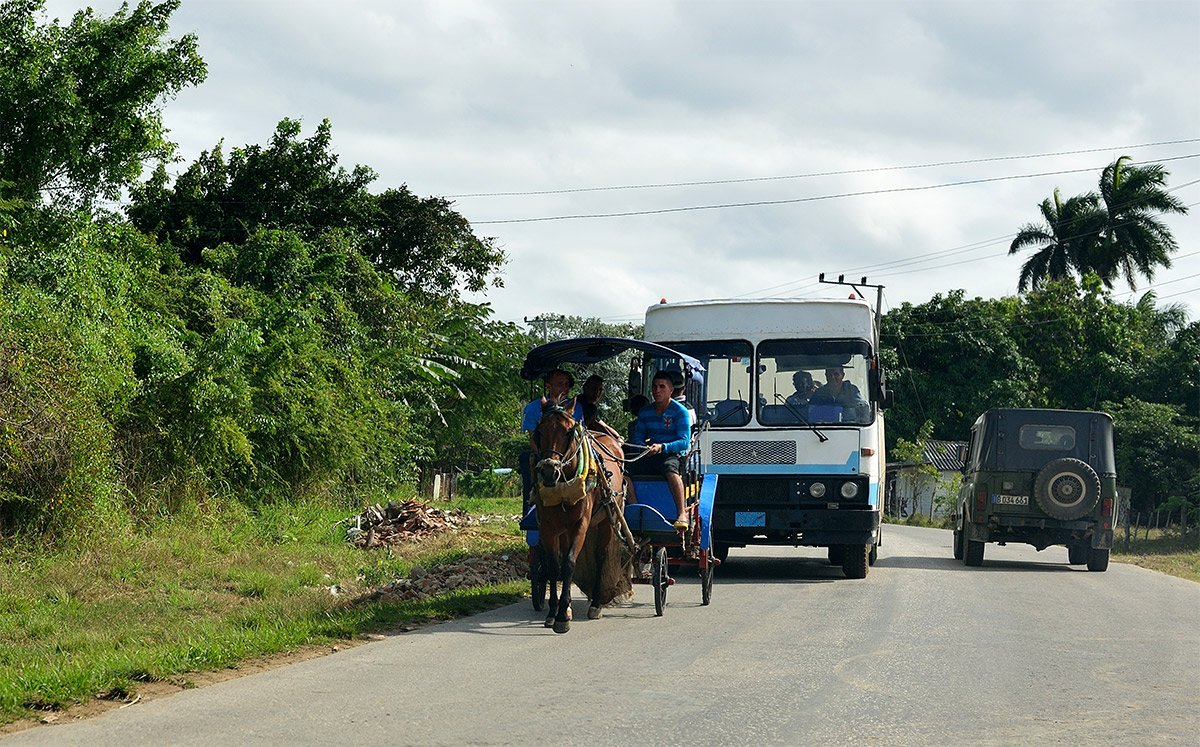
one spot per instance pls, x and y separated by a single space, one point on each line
489 484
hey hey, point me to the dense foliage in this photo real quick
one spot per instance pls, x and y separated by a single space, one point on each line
265 328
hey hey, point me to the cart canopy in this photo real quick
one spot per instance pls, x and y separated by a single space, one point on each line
586 350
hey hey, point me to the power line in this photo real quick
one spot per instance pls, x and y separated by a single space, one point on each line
844 172
797 200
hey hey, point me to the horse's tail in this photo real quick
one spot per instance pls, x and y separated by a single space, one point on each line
614 574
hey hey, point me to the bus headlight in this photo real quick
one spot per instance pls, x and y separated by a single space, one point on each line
849 490
817 490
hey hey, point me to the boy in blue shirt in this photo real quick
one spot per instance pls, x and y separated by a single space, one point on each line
665 426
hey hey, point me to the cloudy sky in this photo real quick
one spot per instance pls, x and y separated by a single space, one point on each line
721 148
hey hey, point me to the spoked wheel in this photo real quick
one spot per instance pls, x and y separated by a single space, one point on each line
660 579
706 579
537 579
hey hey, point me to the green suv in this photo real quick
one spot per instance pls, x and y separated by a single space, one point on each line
1041 477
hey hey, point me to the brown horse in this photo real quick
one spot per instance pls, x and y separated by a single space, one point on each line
579 494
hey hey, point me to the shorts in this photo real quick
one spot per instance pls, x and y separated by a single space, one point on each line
657 464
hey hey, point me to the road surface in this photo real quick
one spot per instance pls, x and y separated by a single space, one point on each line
1025 650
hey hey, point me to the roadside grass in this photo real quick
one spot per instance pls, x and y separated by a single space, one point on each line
207 591
1163 552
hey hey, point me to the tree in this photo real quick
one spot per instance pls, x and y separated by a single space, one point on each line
297 185
1064 243
80 104
919 476
951 358
1134 241
1156 451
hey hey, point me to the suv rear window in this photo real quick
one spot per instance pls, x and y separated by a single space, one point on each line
1047 437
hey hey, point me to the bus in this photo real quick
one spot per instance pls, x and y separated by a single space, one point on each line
790 419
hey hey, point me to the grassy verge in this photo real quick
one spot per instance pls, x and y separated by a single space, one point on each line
1161 552
207 592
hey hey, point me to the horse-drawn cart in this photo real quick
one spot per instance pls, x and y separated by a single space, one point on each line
634 510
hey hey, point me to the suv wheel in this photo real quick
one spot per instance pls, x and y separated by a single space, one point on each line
856 560
972 551
1097 560
958 548
1077 554
1067 489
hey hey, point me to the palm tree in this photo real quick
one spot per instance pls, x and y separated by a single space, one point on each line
1134 241
1065 243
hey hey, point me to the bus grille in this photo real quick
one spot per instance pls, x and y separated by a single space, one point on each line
754 452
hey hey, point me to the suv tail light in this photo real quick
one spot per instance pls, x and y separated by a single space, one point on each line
1106 508
980 505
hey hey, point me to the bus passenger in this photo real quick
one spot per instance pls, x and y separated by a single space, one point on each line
838 391
665 426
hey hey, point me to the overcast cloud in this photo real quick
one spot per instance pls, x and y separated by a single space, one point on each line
453 98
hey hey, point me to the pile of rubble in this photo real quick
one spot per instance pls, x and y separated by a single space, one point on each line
401 522
479 571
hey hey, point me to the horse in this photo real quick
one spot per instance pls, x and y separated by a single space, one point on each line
579 492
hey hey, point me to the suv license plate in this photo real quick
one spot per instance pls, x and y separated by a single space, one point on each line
1011 500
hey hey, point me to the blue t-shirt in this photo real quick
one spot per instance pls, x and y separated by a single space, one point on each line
533 413
672 427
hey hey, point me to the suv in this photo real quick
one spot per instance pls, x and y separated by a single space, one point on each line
1042 477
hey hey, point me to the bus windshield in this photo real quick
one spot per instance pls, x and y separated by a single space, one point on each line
817 382
724 399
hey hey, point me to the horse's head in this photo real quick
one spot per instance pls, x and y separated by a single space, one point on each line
558 442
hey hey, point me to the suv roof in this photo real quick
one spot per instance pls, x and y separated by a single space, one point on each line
1026 439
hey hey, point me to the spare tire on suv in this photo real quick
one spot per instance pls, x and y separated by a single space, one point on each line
1067 488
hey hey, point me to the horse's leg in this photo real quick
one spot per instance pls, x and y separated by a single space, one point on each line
550 568
595 610
576 537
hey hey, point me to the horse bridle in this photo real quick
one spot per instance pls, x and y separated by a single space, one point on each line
578 442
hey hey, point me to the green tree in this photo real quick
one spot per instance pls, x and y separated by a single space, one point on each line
1134 240
296 184
80 104
919 476
1156 451
1064 243
1089 348
948 360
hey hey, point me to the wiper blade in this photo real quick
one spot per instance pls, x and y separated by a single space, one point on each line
821 437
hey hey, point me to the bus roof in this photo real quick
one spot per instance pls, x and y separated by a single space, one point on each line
760 318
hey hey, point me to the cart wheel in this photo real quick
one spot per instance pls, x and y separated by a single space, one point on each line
706 578
660 579
537 579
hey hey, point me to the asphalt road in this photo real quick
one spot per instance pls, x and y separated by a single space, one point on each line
1025 650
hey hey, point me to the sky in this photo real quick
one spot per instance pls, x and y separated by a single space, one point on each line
623 152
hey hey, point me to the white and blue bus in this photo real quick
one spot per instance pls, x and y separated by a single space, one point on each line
790 415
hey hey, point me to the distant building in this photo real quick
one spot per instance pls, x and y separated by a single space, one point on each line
909 492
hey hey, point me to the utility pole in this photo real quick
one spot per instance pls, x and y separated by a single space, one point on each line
544 320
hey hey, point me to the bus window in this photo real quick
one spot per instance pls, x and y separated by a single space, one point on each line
723 400
821 382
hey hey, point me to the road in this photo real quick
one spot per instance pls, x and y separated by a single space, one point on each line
1025 650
